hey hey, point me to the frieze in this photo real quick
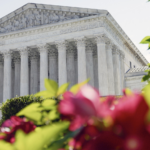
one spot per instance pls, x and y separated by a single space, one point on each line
81 27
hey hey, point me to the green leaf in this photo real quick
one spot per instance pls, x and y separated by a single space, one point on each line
20 143
6 146
74 89
53 115
48 102
149 46
32 111
145 78
38 139
51 86
44 94
58 144
148 64
146 40
62 89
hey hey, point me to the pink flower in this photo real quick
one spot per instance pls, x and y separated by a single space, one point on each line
80 107
128 131
10 126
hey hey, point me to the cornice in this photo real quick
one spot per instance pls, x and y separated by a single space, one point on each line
133 78
125 38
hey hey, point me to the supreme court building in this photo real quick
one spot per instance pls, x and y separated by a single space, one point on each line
66 44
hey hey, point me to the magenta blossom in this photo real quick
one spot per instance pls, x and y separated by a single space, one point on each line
10 126
82 107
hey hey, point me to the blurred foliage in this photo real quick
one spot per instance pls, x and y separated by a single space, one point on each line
12 106
146 40
147 76
51 132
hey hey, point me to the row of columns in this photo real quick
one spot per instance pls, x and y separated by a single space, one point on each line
104 66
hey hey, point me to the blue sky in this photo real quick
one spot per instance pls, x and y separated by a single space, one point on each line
132 15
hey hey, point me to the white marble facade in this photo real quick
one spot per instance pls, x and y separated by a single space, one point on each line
65 44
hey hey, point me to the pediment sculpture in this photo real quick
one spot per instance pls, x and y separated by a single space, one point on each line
37 17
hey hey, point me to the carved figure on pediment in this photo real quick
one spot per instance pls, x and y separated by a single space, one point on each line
23 21
38 18
30 19
82 15
2 29
45 17
68 16
8 27
62 16
16 25
53 18
74 16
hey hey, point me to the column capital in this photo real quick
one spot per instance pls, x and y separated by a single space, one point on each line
7 53
109 45
23 50
42 47
80 41
101 38
61 44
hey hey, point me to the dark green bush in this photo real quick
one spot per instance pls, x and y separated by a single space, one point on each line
14 105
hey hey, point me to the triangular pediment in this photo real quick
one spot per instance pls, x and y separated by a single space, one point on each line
33 15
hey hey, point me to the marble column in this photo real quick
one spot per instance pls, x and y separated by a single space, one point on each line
102 65
122 69
95 63
76 67
7 76
43 65
111 86
24 76
81 54
89 63
1 79
71 65
62 68
53 64
34 73
17 76
116 61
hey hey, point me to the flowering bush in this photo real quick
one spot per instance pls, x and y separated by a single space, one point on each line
14 105
80 119
10 126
